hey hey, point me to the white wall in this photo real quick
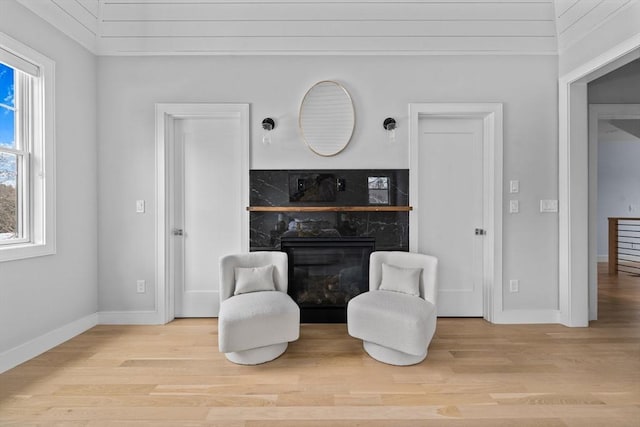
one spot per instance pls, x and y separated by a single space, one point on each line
128 88
39 295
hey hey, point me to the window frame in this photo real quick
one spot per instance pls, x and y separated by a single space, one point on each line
38 207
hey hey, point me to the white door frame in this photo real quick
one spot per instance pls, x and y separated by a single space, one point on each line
599 112
491 115
573 180
166 114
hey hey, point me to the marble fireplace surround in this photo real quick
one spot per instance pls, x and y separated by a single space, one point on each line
328 222
329 203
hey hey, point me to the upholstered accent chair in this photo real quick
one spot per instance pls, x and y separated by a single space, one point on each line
257 317
396 318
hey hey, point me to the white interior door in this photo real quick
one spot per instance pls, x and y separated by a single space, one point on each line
451 209
204 219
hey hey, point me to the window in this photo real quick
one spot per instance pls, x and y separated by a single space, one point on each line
27 214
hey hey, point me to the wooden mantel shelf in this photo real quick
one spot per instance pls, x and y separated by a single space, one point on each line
329 208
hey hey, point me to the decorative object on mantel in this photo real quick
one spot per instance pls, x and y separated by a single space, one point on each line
312 187
390 126
327 118
378 190
268 125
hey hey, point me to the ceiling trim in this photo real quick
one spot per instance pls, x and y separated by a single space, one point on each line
305 27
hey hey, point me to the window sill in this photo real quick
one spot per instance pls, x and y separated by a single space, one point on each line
25 250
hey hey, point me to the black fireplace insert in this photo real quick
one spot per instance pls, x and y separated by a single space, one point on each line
325 273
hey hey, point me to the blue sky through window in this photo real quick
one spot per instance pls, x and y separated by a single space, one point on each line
7 125
7 99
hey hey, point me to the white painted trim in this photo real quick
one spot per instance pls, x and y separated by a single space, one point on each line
594 65
603 258
165 115
593 213
527 317
492 114
35 347
130 318
599 112
108 51
572 178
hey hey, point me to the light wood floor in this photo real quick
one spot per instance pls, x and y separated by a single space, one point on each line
476 374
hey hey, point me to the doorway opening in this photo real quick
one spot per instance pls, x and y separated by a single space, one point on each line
614 194
577 263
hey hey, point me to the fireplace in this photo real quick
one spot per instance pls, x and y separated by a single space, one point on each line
325 273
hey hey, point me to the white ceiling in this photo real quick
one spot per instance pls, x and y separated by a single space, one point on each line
212 27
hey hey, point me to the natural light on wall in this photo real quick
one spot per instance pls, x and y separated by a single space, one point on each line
27 206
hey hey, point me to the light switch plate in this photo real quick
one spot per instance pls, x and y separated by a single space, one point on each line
514 186
548 206
139 206
514 206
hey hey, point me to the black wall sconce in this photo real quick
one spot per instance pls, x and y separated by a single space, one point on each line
267 126
390 126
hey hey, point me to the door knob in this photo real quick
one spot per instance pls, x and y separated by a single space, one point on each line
480 232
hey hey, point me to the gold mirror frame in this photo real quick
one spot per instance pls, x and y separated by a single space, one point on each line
326 118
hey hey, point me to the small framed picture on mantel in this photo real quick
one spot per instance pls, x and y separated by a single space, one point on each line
378 187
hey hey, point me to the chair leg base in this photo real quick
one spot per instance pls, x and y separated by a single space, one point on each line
256 356
391 357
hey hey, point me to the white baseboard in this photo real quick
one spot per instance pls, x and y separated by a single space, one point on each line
129 318
603 258
527 317
35 347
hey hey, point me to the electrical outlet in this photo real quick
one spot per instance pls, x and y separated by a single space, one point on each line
141 286
514 206
514 285
548 206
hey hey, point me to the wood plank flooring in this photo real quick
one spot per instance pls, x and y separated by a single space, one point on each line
476 374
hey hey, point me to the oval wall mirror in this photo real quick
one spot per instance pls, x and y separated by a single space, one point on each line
327 118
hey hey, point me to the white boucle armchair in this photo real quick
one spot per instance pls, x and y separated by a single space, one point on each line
257 317
396 319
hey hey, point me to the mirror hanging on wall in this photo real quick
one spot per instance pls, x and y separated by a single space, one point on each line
327 118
